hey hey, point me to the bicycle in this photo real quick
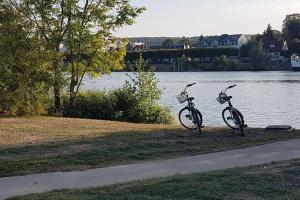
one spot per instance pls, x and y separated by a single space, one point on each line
189 117
231 116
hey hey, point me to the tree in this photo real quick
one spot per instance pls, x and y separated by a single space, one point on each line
271 37
24 80
255 52
291 27
167 43
268 34
185 41
84 28
201 38
291 31
294 45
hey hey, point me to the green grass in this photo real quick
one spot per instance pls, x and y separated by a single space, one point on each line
56 148
271 182
122 148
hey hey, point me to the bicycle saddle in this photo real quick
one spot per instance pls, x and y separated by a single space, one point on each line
191 99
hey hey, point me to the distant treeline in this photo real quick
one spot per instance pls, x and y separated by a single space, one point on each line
177 53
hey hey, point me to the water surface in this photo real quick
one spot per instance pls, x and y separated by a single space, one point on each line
264 98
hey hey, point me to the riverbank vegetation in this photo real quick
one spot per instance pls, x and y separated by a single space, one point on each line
278 180
47 144
51 47
135 102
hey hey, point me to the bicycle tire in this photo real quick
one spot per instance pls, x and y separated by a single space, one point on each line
183 119
238 117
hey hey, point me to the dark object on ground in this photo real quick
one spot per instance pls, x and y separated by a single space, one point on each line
279 128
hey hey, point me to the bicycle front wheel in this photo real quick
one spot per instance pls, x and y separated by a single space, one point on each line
186 119
233 118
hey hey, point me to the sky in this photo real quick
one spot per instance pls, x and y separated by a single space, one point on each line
167 18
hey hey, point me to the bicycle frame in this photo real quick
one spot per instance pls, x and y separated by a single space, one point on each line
193 114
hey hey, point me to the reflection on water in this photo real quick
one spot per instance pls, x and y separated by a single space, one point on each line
263 97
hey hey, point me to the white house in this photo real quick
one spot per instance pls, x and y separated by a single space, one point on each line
223 41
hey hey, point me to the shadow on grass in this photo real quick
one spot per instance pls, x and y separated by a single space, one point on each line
125 148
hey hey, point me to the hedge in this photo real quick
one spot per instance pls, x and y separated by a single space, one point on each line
176 53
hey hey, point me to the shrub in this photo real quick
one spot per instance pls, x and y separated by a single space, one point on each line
24 76
221 61
135 102
156 55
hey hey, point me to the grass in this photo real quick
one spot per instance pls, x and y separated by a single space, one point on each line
45 144
266 182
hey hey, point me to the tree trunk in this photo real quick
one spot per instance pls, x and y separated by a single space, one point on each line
73 84
72 93
57 88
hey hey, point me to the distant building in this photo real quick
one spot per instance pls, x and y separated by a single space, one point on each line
275 46
223 41
136 46
180 46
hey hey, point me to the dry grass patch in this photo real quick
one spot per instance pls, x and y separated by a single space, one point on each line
17 131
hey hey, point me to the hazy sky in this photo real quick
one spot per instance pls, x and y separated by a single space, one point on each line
208 17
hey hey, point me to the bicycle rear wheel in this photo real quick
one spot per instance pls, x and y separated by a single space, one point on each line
190 121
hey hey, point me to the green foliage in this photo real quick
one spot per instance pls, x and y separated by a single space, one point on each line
143 85
136 101
291 32
24 80
291 27
167 43
254 50
222 60
177 53
294 45
92 105
86 28
269 37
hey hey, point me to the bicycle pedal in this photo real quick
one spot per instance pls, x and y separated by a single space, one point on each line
245 126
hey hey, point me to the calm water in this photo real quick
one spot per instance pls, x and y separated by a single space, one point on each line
264 98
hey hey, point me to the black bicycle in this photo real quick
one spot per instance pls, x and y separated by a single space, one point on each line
231 116
189 116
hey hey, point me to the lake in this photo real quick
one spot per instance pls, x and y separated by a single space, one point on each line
264 98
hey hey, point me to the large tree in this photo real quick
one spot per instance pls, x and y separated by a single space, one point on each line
185 41
84 28
291 31
271 35
24 74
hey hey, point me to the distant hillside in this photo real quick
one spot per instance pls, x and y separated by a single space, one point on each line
155 41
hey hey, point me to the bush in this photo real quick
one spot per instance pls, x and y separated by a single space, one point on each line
221 61
120 105
177 53
24 76
135 102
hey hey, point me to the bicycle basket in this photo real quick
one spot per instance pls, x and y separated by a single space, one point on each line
222 98
182 97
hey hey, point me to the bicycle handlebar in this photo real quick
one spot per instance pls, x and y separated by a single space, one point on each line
189 85
225 90
232 86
